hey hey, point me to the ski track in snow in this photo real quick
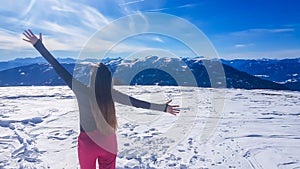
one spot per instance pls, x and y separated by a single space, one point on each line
257 129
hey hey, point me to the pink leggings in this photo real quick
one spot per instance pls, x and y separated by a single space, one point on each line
89 152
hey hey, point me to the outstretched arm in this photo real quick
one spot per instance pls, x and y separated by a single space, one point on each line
39 46
131 101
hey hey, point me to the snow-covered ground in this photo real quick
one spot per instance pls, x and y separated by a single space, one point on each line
256 129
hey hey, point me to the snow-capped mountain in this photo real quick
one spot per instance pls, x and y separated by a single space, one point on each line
274 70
153 70
285 71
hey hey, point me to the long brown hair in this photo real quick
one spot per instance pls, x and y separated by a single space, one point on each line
103 87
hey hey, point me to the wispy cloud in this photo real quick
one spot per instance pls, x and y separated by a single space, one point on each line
260 31
10 40
157 9
63 9
158 39
239 45
171 8
281 30
187 6
67 26
131 2
243 45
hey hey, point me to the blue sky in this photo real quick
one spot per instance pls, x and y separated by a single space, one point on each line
237 29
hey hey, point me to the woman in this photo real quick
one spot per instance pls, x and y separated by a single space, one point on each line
97 139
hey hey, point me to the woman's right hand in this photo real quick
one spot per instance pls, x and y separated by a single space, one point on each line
30 37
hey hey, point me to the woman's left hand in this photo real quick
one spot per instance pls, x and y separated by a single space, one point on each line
172 109
30 37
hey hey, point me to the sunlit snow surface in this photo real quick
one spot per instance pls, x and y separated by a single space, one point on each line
258 129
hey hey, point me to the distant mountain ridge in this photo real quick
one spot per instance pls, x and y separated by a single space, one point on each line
35 71
285 71
28 61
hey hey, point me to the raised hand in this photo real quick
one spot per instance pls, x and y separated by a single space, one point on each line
172 109
30 37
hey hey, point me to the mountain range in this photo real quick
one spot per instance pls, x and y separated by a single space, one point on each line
285 71
153 70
